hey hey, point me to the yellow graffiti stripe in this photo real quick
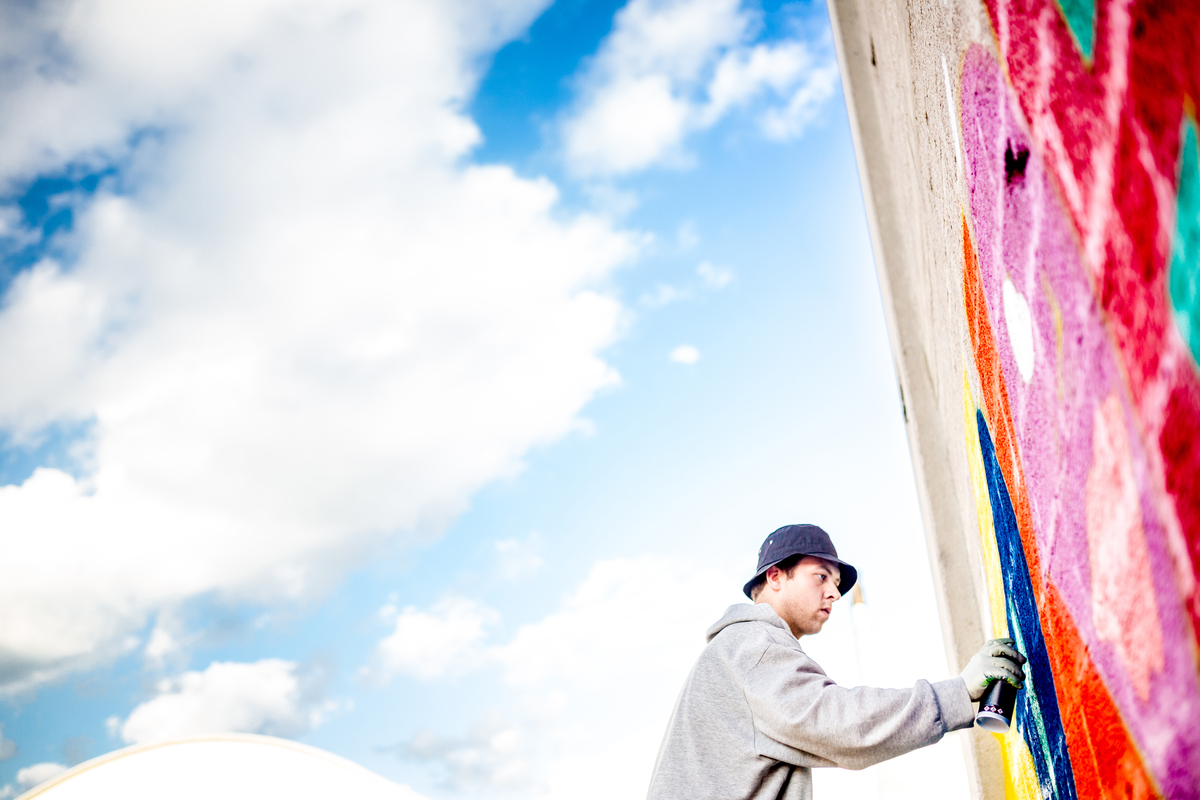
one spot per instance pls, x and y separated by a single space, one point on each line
1020 776
983 508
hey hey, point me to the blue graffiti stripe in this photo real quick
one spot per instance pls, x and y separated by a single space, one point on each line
1037 715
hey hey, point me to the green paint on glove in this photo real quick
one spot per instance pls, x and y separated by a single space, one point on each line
997 660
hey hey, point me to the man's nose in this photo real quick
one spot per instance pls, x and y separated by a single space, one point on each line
833 590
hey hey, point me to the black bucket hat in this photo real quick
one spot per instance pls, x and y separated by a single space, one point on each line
800 540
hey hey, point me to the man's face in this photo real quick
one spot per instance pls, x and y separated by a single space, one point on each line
806 599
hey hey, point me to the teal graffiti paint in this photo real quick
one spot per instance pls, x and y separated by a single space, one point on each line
1081 19
1184 277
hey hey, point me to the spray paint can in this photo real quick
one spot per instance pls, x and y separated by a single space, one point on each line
996 707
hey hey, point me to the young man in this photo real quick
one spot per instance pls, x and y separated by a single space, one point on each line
757 714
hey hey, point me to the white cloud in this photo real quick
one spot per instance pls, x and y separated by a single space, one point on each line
517 559
714 277
672 67
685 354
160 646
574 642
445 639
270 696
598 676
687 237
628 126
31 776
740 75
169 642
635 616
492 753
789 121
8 748
305 325
663 294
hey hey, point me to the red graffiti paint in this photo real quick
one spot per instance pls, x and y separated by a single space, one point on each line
1104 760
1097 511
995 397
1109 132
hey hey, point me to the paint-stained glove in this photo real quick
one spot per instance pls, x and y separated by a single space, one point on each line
996 660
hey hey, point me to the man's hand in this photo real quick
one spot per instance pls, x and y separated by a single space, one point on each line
996 660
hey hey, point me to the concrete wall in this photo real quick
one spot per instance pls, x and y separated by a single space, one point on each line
1033 187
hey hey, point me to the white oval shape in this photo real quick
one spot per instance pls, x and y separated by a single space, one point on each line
1020 329
230 766
685 354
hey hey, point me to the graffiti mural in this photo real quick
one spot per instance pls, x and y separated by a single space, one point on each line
1081 291
1031 170
1110 125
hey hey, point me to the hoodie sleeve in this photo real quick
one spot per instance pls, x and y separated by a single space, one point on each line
802 717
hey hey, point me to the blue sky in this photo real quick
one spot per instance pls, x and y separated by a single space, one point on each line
420 385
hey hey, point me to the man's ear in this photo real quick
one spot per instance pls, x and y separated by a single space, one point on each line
774 576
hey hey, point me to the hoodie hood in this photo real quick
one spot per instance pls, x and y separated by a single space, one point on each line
746 612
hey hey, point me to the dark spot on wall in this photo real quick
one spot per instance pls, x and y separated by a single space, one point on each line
872 41
1014 162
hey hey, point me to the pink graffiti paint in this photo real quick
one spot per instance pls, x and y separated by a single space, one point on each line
1124 608
1109 129
1023 233
1105 764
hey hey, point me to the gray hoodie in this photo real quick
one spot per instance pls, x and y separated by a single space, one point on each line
757 714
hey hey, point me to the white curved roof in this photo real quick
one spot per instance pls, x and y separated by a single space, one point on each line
229 766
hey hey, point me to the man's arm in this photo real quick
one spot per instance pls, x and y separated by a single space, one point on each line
796 705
